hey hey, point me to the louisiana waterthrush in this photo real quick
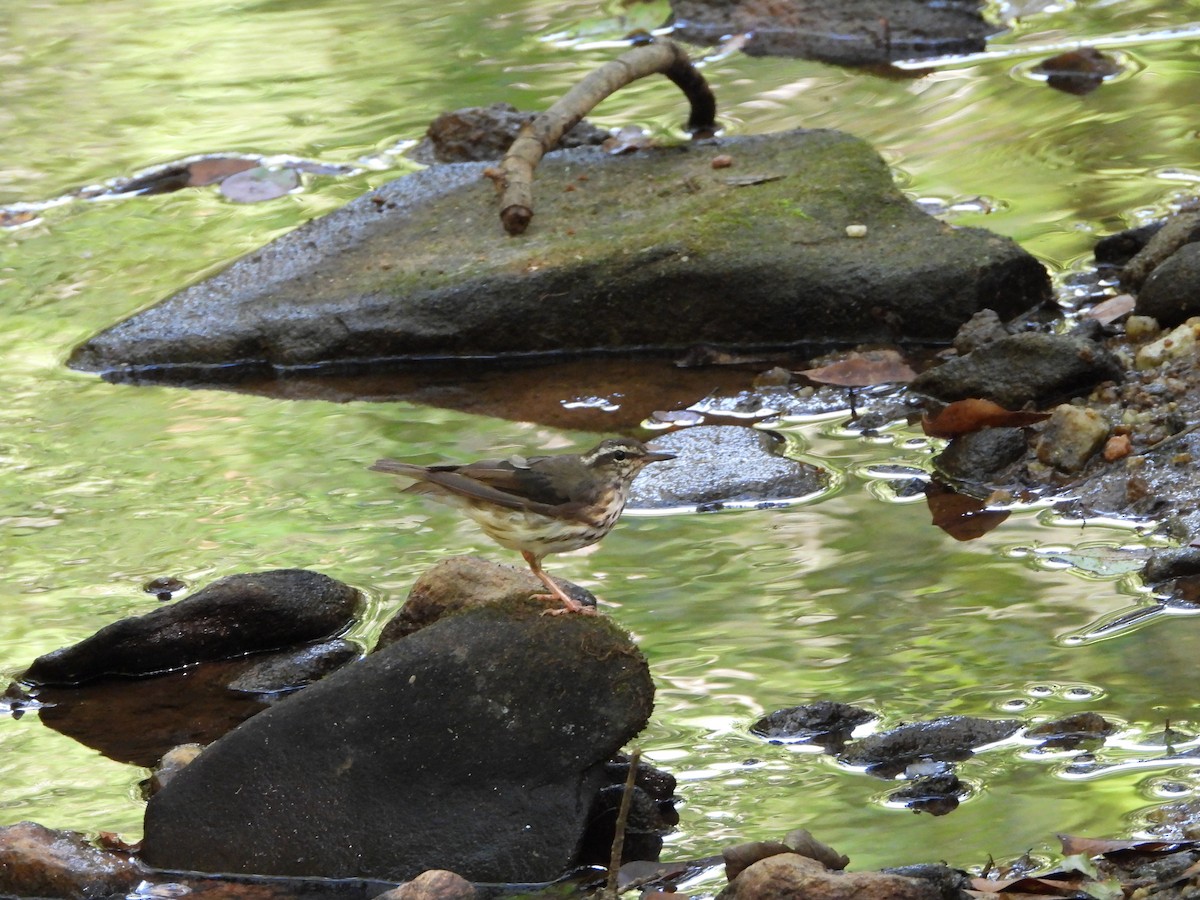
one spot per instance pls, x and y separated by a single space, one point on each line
540 504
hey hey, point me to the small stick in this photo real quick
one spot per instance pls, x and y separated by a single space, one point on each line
538 137
618 845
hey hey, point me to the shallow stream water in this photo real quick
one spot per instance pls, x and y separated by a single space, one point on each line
852 597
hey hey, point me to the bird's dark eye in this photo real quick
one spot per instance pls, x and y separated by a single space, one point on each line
620 455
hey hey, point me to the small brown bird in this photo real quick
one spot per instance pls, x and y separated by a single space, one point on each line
542 504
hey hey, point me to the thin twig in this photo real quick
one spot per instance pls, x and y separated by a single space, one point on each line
514 177
618 844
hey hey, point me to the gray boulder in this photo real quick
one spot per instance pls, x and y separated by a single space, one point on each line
477 744
657 250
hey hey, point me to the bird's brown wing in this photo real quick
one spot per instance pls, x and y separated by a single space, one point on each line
492 481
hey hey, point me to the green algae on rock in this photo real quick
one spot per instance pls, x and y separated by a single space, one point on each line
654 251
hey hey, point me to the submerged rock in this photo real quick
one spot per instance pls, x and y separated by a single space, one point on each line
716 465
477 744
231 617
655 250
825 723
950 739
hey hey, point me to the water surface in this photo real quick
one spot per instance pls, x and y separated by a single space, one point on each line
851 598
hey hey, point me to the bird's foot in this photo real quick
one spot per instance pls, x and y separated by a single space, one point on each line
569 606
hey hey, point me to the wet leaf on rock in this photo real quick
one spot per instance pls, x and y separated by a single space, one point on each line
260 183
964 416
1108 311
863 369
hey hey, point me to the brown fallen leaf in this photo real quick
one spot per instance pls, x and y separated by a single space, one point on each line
863 369
1055 885
1073 845
965 416
963 517
1111 309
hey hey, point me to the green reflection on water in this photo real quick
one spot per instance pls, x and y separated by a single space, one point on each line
740 613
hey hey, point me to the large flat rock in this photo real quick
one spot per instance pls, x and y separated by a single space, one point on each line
656 250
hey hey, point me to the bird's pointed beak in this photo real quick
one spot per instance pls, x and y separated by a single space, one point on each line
658 456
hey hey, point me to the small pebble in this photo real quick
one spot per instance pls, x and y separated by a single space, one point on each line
856 231
723 161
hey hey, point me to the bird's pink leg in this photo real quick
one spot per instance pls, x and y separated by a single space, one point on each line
568 604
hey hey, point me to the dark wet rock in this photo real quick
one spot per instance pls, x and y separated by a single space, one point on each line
825 723
648 821
420 269
1171 294
951 883
1022 368
232 616
950 739
481 739
849 32
1117 249
716 465
792 875
1179 230
480 133
434 884
978 455
1078 72
1072 436
462 582
38 862
1071 731
295 669
1173 562
937 794
982 328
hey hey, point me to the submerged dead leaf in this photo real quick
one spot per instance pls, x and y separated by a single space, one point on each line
963 517
965 416
864 369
